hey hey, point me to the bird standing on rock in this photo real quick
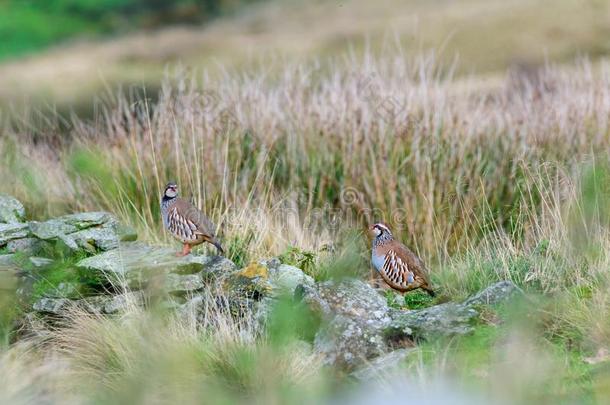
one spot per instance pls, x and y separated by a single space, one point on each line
400 268
186 222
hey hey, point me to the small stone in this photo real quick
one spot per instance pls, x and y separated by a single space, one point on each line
95 304
85 220
183 284
64 290
55 306
28 246
123 302
495 294
214 266
251 281
12 231
51 229
11 209
284 279
40 262
8 273
7 262
447 319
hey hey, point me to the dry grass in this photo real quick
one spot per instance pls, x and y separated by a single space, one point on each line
200 355
327 148
486 35
507 183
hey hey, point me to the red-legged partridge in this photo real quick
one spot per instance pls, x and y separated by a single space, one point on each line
400 268
185 221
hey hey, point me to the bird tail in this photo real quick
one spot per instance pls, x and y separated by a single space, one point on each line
430 292
216 243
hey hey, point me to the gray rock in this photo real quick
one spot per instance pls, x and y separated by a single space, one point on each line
89 231
437 321
55 306
252 281
123 302
12 231
495 294
85 220
94 304
136 262
92 239
284 279
198 307
269 278
355 315
28 246
214 266
51 229
8 273
183 283
192 309
11 209
382 366
40 262
450 318
64 290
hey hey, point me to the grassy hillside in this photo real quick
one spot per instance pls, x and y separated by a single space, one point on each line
293 127
486 185
29 26
485 36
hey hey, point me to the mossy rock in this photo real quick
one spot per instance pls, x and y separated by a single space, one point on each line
12 231
11 209
136 263
89 231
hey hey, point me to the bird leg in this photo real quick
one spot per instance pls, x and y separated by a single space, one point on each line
375 279
186 249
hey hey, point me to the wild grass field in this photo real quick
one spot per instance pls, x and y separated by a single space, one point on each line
508 183
485 37
478 130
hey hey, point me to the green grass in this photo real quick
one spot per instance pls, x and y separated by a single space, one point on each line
486 361
28 26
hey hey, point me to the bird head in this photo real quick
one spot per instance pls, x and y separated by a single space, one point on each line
380 230
171 190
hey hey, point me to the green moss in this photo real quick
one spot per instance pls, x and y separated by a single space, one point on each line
417 299
302 259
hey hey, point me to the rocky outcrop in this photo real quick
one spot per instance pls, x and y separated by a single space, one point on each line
13 231
112 273
135 264
355 316
359 326
90 231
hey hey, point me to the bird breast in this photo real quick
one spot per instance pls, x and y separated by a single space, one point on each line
378 261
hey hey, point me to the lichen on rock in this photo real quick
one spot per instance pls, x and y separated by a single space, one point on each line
11 210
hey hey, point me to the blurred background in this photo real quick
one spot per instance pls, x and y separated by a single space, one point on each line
62 52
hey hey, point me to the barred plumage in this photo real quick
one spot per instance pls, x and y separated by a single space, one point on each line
185 222
400 268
